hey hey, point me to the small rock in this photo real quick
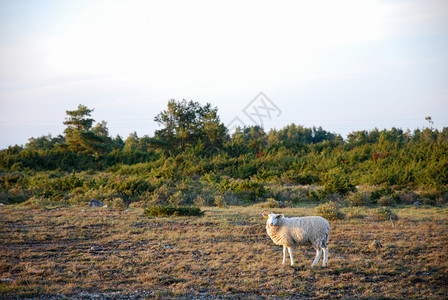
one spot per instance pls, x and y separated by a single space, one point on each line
2 204
417 203
167 246
96 248
375 245
96 203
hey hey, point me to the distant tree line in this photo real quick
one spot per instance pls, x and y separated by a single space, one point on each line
193 144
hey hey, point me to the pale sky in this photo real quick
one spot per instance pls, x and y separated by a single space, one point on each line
345 65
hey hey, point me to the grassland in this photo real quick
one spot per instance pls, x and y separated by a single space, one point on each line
80 252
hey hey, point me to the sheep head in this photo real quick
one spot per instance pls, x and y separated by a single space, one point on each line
272 219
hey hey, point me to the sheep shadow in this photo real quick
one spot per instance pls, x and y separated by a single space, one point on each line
303 267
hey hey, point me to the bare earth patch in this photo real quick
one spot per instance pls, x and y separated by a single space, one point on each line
87 253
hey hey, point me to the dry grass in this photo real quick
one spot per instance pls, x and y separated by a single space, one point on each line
224 254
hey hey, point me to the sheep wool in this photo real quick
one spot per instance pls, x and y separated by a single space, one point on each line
291 232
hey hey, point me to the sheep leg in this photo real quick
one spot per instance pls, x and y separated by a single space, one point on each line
284 255
325 248
291 256
316 259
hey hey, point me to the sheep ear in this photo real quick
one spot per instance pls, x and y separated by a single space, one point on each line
265 215
281 215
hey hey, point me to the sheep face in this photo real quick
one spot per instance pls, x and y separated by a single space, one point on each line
273 219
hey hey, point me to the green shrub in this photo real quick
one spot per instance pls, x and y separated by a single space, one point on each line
16 195
336 198
272 203
408 198
200 201
385 214
313 195
386 200
358 199
119 205
385 191
338 183
317 195
330 211
220 201
36 202
131 187
160 210
176 199
231 198
244 172
292 176
246 190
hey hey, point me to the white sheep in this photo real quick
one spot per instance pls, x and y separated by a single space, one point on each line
290 232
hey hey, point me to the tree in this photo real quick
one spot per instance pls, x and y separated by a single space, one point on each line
430 121
215 133
45 142
131 142
357 138
101 129
253 138
188 123
118 143
80 137
78 119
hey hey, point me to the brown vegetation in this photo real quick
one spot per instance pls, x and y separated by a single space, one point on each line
81 252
